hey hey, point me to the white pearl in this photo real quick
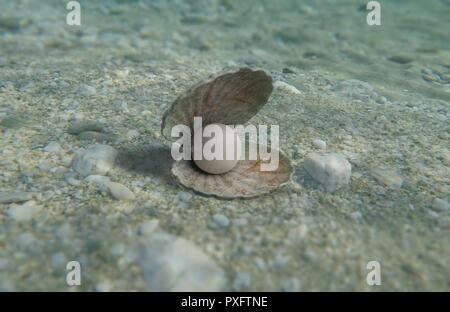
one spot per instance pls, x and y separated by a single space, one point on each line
221 166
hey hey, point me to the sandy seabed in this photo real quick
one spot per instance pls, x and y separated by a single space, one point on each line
378 95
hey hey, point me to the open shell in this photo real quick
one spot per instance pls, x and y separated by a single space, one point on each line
246 180
230 98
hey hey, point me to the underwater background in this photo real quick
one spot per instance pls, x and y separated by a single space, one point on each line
377 95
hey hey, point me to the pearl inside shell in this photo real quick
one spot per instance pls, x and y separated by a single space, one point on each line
217 166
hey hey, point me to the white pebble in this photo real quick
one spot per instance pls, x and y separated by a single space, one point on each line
221 220
119 191
388 177
52 147
320 144
170 263
331 170
24 212
433 214
132 133
286 87
96 159
440 204
148 227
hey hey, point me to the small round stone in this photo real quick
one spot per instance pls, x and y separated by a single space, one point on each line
440 204
320 144
221 220
119 191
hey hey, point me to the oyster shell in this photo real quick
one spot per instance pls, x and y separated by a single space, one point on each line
230 98
246 180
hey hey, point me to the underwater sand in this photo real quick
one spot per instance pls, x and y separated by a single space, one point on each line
378 95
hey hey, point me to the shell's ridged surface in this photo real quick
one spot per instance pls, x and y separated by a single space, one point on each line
244 181
230 98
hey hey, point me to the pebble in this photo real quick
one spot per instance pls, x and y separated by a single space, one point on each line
388 177
52 147
440 205
15 197
96 159
331 170
24 212
320 144
433 214
148 227
12 122
286 87
401 59
119 191
171 263
86 90
86 125
221 220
